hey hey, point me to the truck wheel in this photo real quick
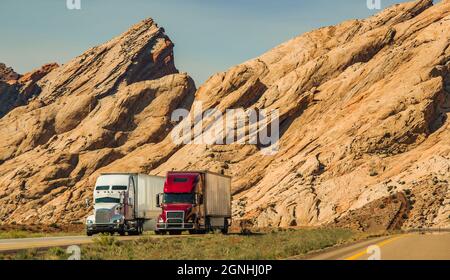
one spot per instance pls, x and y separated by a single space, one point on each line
224 230
88 233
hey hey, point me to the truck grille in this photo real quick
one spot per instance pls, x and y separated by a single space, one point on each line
102 216
175 217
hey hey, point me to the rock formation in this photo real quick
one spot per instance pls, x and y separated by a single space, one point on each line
90 112
17 90
7 73
364 109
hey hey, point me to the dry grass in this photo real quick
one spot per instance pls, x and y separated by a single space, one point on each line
13 231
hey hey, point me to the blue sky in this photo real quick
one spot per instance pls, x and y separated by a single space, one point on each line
209 35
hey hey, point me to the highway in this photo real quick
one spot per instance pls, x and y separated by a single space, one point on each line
411 246
12 245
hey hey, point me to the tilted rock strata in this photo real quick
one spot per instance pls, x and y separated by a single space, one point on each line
7 73
89 113
17 90
366 101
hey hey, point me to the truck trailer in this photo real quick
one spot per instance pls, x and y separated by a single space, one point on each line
125 203
194 201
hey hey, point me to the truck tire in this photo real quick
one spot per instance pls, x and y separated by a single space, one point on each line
224 230
140 228
89 233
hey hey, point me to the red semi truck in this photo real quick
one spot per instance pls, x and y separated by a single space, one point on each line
196 201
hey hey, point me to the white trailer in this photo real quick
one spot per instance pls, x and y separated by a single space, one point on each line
146 207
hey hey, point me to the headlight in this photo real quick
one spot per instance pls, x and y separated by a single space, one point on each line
89 222
117 221
160 220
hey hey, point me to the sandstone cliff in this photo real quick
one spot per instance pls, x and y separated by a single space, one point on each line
364 109
364 113
88 113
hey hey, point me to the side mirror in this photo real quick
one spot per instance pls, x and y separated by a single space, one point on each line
88 202
122 200
158 200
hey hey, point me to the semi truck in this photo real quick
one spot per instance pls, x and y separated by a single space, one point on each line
194 201
125 203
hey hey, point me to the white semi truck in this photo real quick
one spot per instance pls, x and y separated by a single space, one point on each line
125 203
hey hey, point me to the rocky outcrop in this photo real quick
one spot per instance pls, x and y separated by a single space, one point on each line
17 90
363 105
89 112
8 97
8 92
28 83
7 73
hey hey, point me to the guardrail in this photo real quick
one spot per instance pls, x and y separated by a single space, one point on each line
420 230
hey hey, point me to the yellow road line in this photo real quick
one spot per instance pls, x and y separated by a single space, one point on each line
381 244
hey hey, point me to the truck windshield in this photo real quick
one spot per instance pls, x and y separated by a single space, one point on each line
179 198
102 188
119 188
107 200
180 180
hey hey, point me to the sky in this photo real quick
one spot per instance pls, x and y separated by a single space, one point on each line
210 36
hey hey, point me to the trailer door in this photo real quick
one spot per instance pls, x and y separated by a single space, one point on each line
218 195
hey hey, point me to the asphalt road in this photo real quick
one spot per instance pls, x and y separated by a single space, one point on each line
12 245
412 246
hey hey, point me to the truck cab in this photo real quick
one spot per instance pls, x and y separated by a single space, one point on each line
125 203
178 202
113 204
194 201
